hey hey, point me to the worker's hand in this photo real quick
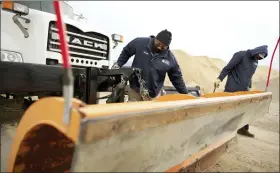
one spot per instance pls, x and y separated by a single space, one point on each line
115 66
217 83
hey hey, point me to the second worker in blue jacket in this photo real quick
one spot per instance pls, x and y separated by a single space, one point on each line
153 56
240 71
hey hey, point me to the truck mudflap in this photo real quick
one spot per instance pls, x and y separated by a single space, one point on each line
143 136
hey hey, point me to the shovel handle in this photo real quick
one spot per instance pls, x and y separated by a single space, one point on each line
214 89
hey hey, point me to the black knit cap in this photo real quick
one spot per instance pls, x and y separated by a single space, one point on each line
164 37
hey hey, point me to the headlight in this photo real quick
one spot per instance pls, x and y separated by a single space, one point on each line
15 7
11 56
117 38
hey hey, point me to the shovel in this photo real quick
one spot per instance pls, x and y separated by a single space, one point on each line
214 89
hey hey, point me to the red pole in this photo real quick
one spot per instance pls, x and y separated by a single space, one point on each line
61 31
271 60
67 76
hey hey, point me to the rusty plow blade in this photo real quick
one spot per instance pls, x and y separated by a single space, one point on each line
171 133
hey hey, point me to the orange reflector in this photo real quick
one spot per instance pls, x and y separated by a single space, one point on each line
7 5
121 38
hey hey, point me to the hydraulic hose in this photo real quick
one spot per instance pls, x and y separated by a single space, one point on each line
270 66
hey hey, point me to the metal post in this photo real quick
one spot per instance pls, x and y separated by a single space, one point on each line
91 86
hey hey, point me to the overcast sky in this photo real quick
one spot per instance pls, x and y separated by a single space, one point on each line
215 28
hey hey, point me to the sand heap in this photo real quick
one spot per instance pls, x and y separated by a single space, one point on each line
202 71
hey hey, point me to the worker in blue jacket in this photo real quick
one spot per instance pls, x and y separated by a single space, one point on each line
153 57
240 71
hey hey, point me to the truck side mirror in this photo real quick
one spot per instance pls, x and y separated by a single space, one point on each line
15 7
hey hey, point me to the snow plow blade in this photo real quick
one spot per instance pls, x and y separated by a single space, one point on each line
171 133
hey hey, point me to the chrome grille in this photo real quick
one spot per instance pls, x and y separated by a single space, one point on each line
88 45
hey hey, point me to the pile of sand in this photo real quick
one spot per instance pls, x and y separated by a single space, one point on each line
202 71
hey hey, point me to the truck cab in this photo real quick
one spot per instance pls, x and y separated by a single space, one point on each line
29 35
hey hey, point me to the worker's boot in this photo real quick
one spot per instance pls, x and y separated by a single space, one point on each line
245 131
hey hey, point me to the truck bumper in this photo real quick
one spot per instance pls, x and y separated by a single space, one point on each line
32 79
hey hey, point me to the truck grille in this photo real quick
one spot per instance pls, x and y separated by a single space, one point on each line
88 45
